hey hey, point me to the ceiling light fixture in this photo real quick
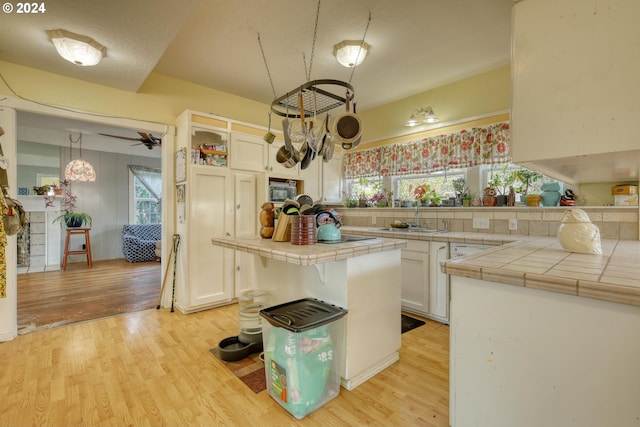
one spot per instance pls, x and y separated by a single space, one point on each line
79 170
423 115
351 53
78 49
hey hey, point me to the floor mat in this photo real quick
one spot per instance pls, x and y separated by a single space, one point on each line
249 370
409 323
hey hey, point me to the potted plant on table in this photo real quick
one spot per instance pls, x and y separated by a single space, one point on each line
69 217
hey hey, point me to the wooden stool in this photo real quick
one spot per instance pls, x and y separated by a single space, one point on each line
86 250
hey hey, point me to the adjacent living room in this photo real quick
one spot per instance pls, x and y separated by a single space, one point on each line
123 277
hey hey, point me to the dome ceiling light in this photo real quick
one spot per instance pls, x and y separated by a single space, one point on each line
351 53
77 49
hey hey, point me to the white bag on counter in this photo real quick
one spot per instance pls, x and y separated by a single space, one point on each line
578 234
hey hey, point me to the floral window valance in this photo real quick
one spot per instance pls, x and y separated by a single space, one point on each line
470 147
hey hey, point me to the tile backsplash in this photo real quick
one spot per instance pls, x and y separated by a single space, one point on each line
619 223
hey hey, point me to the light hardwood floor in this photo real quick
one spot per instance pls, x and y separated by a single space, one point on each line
153 368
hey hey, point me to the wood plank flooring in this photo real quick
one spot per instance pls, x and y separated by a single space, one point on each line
80 293
153 368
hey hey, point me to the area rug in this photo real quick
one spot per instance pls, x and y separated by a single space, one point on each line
409 323
249 370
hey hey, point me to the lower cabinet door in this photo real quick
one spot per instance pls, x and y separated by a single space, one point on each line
415 281
210 278
439 283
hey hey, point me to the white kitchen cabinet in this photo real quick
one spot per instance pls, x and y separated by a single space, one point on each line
218 201
575 89
246 224
207 270
425 288
438 282
332 179
276 169
247 152
312 179
415 277
204 273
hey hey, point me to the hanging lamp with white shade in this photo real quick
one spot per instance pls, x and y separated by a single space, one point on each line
79 169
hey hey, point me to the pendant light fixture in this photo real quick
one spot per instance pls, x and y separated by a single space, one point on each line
79 170
423 115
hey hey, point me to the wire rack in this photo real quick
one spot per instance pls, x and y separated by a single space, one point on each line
318 96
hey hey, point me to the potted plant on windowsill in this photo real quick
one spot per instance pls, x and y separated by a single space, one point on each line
526 177
500 182
69 217
466 199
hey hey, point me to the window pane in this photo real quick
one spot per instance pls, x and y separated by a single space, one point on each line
147 212
441 183
147 209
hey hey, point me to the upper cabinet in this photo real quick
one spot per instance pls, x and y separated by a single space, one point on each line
248 152
332 179
276 169
575 88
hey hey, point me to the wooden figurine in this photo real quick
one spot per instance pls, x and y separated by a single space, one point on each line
489 198
266 220
511 198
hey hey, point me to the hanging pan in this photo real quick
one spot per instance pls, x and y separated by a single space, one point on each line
347 127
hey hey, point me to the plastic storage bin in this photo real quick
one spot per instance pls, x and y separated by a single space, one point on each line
303 353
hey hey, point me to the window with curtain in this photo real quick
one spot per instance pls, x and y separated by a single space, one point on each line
469 147
146 195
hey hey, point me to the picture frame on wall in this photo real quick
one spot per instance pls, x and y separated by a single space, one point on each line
180 202
181 165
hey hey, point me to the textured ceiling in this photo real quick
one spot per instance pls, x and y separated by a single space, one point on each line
416 44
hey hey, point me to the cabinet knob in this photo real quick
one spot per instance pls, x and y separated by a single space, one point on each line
238 207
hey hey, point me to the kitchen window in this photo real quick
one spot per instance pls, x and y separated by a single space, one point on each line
477 178
402 186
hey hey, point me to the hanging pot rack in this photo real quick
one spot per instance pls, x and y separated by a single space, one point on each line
317 93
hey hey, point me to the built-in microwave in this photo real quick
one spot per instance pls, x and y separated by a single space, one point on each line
281 191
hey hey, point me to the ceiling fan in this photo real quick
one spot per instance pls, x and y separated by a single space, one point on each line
147 139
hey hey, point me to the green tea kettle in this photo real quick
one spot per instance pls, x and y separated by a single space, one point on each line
328 227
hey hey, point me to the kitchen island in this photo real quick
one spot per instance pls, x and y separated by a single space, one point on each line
541 336
360 276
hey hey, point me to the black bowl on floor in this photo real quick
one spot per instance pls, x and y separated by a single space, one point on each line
236 348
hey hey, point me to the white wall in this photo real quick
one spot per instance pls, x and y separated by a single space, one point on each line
528 358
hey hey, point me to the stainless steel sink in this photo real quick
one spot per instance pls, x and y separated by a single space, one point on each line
410 230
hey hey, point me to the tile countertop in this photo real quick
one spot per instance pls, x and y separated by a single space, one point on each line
308 254
541 263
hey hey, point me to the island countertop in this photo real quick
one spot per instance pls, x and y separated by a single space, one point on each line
541 263
308 254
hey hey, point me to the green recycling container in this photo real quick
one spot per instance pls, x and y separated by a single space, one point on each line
303 344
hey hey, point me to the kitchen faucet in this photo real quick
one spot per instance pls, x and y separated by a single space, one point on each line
417 223
446 224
